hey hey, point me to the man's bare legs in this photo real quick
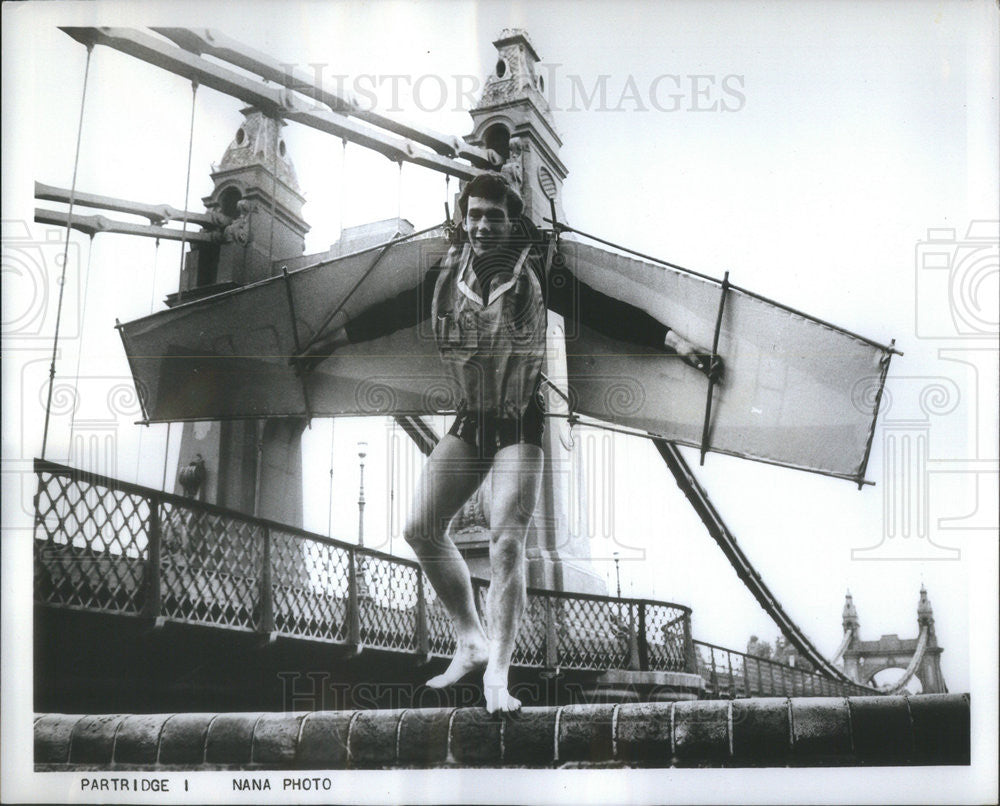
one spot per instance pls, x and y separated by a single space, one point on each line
448 479
516 481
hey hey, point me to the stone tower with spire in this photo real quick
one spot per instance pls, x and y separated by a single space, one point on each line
252 466
863 660
849 617
513 118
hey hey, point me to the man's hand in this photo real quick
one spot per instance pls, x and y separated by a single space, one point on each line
691 354
319 351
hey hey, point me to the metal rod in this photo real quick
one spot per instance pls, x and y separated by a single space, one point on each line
213 43
65 262
79 348
272 100
295 339
711 359
166 458
878 402
95 224
156 213
187 192
726 540
364 277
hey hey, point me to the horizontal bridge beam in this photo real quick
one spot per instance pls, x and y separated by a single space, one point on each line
93 224
156 213
278 102
205 41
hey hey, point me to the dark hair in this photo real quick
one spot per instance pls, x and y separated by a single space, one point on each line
496 188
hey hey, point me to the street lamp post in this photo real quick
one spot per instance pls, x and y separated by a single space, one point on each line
362 569
618 578
362 453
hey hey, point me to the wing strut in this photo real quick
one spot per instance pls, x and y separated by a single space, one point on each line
711 378
295 339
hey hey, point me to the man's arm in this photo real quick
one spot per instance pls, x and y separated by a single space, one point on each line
406 309
571 297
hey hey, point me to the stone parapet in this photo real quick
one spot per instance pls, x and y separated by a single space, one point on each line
835 731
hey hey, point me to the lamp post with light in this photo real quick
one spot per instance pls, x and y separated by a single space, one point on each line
362 453
618 578
362 581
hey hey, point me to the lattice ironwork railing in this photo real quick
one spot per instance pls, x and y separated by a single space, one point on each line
213 573
91 545
730 674
309 584
110 546
388 591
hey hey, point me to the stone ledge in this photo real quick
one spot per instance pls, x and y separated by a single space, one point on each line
930 729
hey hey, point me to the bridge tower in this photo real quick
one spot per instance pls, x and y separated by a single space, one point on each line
252 466
513 118
863 660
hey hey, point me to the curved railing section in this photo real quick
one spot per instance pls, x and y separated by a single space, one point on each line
729 675
108 546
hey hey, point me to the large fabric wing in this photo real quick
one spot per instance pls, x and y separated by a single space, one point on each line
227 356
797 392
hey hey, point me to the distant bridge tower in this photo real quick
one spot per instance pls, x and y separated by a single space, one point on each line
253 466
920 657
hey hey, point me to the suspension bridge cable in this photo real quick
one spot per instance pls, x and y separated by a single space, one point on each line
65 258
152 304
187 189
180 285
79 351
343 184
166 456
329 508
399 192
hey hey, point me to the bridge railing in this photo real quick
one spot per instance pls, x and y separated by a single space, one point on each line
729 674
104 545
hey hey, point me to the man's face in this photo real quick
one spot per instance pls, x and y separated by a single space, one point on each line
487 223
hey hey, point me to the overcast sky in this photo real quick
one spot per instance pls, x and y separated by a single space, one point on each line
806 148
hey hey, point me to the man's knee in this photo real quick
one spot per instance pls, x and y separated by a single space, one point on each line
507 550
416 535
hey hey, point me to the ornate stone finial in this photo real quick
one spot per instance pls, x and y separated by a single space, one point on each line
925 613
850 614
259 142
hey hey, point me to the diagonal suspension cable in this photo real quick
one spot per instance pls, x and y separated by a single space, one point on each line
152 304
180 285
65 259
79 351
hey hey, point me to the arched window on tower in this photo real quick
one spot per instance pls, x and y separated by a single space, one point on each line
228 202
497 137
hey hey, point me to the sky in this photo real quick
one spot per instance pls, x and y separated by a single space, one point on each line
807 148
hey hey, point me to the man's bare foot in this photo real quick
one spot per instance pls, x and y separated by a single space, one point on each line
497 696
471 655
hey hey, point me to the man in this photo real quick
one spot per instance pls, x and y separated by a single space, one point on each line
487 300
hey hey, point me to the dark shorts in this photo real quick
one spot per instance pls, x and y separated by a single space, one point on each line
488 433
